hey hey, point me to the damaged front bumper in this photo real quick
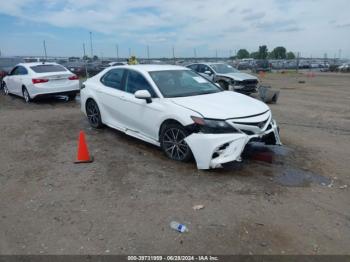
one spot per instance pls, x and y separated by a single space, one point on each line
213 150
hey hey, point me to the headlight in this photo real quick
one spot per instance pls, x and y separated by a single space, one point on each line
210 126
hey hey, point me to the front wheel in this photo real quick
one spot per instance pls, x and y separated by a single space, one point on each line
173 144
93 114
26 95
72 97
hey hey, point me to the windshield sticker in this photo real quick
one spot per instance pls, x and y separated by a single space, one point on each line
200 80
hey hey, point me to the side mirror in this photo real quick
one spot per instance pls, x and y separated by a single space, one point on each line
143 94
208 73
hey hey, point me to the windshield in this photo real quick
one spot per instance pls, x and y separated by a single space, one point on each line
223 68
48 68
177 83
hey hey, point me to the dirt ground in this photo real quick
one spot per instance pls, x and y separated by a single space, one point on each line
289 200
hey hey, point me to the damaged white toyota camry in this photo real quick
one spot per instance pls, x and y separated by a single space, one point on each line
178 110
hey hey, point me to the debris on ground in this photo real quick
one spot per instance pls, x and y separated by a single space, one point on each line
301 82
178 227
198 207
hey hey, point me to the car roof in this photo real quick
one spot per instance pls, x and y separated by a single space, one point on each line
152 68
35 64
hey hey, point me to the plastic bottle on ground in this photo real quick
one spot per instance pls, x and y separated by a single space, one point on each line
178 227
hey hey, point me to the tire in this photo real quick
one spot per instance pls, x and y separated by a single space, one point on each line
72 97
223 85
26 95
173 144
93 114
5 89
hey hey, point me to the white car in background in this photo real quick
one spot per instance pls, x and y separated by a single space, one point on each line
178 110
33 80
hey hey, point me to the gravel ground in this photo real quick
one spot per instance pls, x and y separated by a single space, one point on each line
279 200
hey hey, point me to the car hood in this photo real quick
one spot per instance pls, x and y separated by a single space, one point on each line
239 76
222 105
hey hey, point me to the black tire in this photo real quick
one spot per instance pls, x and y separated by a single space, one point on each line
93 114
223 84
173 144
26 95
72 97
5 89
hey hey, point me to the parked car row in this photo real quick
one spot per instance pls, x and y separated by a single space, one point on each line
180 109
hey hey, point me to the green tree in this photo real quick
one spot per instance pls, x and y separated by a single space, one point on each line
279 52
254 55
242 53
290 55
95 57
263 52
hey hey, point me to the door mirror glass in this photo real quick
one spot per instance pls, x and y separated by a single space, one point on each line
143 94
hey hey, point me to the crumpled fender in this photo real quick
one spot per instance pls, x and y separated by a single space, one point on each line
203 147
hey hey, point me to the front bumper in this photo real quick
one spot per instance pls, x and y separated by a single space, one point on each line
213 150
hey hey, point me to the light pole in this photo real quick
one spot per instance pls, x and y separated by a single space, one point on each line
44 43
91 49
117 49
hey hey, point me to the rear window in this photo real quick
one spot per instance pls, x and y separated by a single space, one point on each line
48 68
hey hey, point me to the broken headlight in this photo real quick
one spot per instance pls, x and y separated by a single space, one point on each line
213 126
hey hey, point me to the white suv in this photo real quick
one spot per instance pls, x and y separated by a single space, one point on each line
178 110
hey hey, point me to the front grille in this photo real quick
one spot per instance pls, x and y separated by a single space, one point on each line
257 124
251 82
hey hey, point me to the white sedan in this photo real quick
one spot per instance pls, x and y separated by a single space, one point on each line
33 80
178 110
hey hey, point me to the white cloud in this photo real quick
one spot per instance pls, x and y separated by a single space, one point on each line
211 24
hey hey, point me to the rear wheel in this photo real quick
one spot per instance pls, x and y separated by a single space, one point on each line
6 91
93 114
26 95
172 140
72 97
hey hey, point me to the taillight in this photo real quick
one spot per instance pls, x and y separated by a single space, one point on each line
39 80
74 77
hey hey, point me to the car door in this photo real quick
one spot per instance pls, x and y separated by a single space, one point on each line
110 94
12 80
140 117
205 71
18 80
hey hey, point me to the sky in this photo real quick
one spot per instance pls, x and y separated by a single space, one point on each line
311 27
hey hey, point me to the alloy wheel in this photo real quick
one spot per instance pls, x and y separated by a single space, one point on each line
174 144
26 95
6 91
93 114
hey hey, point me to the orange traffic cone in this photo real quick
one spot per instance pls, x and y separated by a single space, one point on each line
83 155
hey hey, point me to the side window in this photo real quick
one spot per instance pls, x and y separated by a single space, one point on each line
14 71
113 78
201 68
21 71
135 81
194 67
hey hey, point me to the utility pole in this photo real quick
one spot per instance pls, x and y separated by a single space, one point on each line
195 54
84 51
44 43
174 55
216 55
86 71
339 52
298 58
148 54
91 49
129 52
117 50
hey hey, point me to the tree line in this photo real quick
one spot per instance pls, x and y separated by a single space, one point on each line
278 52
